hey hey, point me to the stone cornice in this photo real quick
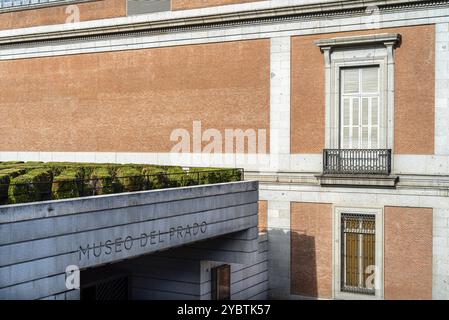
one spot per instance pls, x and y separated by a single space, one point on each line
384 38
193 18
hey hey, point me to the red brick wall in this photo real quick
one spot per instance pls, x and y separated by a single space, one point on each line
408 253
263 216
311 249
193 4
131 101
100 9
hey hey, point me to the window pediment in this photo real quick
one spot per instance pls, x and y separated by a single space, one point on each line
386 39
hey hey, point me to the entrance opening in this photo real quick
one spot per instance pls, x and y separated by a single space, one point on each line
105 283
221 282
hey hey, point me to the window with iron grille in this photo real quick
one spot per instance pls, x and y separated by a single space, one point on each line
358 252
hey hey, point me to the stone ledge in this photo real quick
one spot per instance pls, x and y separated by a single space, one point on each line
358 180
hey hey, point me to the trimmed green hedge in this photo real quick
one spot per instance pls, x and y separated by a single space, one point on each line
7 163
129 179
32 186
21 165
177 177
155 177
165 177
203 175
232 175
12 173
5 178
215 175
4 185
67 184
101 181
35 181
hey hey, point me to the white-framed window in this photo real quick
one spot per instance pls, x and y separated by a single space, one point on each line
360 107
359 91
358 253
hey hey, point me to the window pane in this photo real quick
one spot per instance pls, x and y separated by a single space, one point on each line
346 137
351 80
374 137
346 111
355 137
365 138
375 111
369 259
370 80
365 111
352 260
355 111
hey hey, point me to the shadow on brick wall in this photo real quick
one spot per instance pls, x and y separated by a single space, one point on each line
304 280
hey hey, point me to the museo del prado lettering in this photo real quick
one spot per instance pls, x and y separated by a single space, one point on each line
148 239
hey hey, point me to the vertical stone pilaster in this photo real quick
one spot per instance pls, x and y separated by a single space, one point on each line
442 89
390 95
440 285
280 103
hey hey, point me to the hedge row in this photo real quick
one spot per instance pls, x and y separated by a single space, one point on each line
67 184
35 181
4 185
215 175
34 185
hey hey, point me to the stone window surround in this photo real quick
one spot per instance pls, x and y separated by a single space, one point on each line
378 213
359 51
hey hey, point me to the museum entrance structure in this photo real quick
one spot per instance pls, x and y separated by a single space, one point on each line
157 244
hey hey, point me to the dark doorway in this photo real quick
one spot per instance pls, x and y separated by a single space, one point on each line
105 283
221 282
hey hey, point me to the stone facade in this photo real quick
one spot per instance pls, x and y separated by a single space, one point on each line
123 84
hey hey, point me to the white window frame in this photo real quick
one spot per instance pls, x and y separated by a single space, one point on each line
360 51
379 216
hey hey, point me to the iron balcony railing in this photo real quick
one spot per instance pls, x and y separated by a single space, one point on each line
357 161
